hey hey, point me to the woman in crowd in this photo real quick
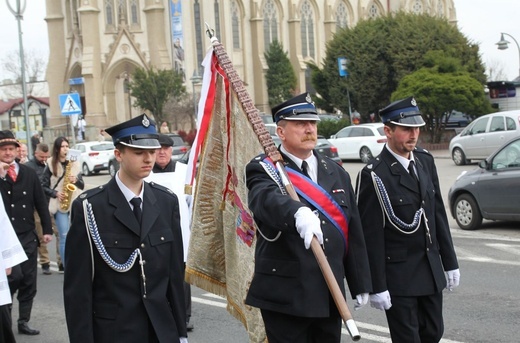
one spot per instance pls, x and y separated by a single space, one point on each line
62 183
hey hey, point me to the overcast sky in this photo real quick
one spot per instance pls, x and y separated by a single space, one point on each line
482 21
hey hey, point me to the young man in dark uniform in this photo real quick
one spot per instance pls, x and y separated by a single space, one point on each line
124 252
287 285
406 230
22 193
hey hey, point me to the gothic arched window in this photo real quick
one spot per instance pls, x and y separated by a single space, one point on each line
307 30
270 23
109 14
134 14
373 11
235 24
417 7
341 16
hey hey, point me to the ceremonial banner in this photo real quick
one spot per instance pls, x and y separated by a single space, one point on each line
221 252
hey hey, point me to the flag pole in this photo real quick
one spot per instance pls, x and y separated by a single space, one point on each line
272 151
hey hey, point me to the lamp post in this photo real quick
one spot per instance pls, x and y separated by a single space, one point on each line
503 45
18 13
196 80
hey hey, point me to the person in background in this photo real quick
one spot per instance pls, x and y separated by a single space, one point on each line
288 285
22 193
82 126
406 229
38 163
22 154
11 254
57 177
126 285
164 164
164 128
35 140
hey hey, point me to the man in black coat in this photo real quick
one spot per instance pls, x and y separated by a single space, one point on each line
23 194
125 268
406 230
287 285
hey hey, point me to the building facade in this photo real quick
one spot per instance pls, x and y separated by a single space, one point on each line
104 41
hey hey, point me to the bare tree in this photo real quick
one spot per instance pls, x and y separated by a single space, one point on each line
35 66
495 70
180 112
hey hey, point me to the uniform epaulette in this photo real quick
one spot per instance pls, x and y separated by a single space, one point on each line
421 150
373 163
260 157
91 192
161 187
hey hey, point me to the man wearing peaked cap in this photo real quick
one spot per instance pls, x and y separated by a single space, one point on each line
124 251
288 285
413 236
22 193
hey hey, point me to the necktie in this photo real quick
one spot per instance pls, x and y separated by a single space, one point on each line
412 172
12 172
305 167
136 202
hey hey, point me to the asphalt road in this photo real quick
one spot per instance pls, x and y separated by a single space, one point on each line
485 308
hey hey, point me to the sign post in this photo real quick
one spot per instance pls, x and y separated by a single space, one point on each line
343 72
70 104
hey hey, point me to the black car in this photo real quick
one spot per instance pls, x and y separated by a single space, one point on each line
489 191
323 146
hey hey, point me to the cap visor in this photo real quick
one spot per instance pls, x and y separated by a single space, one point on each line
411 121
143 144
303 117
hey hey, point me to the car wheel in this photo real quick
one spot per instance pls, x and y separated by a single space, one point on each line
458 157
84 170
365 154
112 169
467 213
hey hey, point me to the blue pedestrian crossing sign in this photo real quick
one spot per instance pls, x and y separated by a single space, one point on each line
70 104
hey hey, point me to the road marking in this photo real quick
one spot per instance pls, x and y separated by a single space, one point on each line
466 255
364 335
509 248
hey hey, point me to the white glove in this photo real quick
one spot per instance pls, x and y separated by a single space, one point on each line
453 278
183 339
308 225
381 301
361 300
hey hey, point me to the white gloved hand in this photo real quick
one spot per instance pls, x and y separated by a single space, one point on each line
183 339
453 278
381 301
361 300
308 225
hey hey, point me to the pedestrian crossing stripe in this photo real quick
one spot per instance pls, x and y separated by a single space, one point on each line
70 104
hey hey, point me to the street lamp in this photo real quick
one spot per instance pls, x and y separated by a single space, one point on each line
503 45
196 80
18 13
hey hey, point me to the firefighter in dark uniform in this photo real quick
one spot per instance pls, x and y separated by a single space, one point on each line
406 230
287 285
125 268
23 194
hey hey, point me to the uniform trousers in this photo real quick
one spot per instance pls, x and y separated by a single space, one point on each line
284 328
416 319
6 331
23 275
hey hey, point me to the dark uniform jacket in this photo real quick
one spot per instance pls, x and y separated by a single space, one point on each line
103 305
406 264
287 278
21 198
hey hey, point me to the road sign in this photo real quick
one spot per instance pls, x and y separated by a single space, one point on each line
76 81
342 66
70 104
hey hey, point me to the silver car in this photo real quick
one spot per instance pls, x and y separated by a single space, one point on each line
490 191
484 135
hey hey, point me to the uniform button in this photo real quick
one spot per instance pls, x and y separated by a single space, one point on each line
8 192
400 200
323 222
162 238
274 270
388 257
423 202
326 240
116 242
144 296
144 262
23 206
142 245
24 192
427 249
12 218
12 205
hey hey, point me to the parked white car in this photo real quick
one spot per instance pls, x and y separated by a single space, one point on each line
94 156
484 135
361 142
